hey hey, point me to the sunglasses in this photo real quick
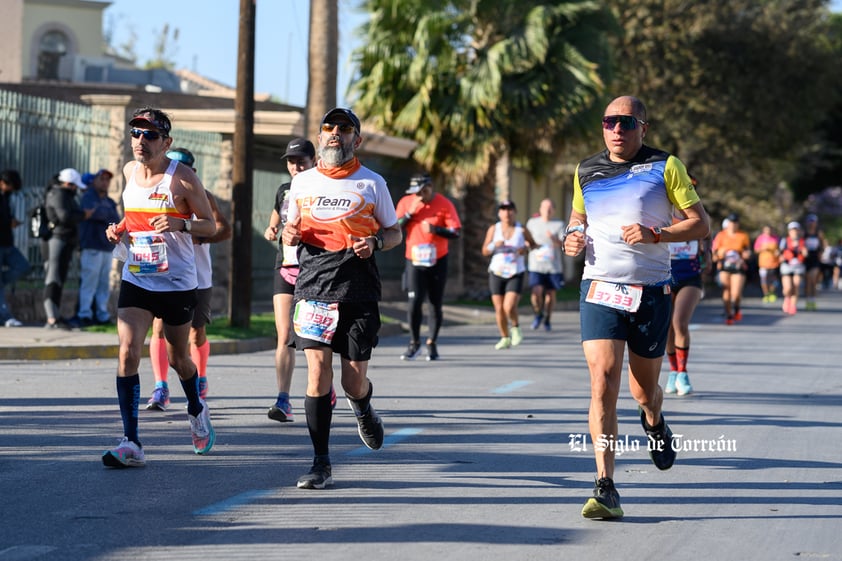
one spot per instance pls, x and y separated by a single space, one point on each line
344 128
627 122
147 135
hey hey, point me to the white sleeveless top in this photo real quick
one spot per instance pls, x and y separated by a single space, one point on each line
506 262
141 204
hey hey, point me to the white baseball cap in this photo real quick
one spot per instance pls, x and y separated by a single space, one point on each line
70 175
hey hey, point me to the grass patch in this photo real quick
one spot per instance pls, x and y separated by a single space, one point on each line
568 293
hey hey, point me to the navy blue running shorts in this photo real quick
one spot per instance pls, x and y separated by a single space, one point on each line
551 281
645 331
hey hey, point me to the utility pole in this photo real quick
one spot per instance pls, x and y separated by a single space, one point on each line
239 295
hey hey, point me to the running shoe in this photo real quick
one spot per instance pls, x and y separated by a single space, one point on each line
729 320
281 412
810 306
13 322
202 430
682 384
411 351
547 326
160 399
318 477
738 316
503 343
773 298
369 427
203 387
670 387
126 454
432 351
659 442
605 502
536 323
517 336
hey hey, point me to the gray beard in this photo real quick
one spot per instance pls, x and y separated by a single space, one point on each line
336 156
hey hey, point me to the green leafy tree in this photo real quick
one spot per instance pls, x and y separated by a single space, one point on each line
165 49
473 81
734 87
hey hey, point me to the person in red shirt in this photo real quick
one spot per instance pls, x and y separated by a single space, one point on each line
430 221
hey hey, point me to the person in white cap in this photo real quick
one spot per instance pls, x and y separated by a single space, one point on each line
793 255
64 214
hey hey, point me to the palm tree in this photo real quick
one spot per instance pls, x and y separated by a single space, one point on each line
323 52
474 81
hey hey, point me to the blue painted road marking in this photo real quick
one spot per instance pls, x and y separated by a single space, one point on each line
388 440
516 385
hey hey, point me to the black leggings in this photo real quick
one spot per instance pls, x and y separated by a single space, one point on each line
423 283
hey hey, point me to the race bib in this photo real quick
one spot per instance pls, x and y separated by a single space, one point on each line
504 265
544 254
424 255
290 253
147 253
625 297
316 320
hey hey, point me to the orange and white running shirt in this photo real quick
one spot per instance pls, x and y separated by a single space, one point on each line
332 210
157 262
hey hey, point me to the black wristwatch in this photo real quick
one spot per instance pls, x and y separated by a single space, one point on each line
378 242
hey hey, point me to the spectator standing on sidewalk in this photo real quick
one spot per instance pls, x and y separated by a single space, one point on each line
545 266
623 201
340 214
65 215
13 264
300 156
430 221
95 255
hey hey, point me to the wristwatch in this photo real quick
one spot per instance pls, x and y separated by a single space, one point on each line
188 226
657 232
378 242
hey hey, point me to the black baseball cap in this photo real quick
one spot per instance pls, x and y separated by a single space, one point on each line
506 204
300 148
344 114
155 118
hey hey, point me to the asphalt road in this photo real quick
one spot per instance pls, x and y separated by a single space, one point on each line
478 463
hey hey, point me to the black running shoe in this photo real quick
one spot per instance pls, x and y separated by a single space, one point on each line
370 428
432 352
318 477
411 351
659 442
605 502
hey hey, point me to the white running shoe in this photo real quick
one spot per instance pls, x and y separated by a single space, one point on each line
202 430
126 454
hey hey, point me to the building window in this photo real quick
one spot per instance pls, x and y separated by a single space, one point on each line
52 47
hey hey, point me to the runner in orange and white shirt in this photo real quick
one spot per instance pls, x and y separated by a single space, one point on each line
340 213
431 222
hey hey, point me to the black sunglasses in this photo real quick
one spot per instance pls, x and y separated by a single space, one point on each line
147 135
627 122
344 128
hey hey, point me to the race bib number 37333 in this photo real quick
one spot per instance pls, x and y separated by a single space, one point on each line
625 297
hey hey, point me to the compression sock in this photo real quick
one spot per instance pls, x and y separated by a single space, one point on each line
200 355
158 358
681 354
673 361
319 415
191 391
128 396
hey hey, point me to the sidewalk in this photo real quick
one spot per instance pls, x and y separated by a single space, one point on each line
38 343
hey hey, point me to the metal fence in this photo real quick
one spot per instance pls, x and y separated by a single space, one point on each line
40 136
